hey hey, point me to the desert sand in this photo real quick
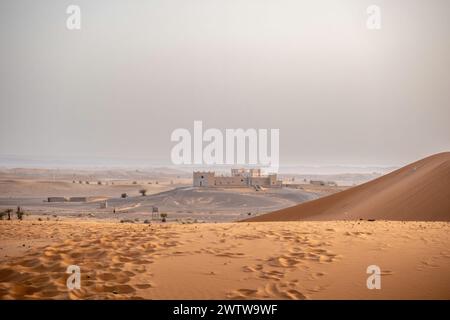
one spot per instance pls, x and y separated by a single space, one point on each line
278 260
186 259
419 191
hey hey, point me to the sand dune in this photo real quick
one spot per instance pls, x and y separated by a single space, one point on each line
419 191
295 260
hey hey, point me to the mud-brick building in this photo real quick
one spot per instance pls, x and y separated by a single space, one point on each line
238 178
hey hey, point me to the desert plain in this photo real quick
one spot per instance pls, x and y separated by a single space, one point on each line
221 244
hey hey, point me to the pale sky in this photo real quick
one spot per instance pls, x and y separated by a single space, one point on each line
339 92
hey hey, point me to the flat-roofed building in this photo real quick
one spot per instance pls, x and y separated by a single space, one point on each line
239 178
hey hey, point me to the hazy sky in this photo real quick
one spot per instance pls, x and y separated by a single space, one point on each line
339 92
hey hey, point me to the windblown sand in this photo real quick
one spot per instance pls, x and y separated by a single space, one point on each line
279 260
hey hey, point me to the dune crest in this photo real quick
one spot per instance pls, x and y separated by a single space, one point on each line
419 191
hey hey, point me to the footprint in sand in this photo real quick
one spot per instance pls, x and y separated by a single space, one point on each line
144 286
271 290
386 272
106 272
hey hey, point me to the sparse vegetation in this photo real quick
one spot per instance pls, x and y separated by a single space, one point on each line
19 213
163 217
143 192
134 182
8 213
124 195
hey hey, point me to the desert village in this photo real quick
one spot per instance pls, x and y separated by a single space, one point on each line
140 195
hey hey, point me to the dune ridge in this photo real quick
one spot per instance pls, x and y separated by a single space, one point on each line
419 191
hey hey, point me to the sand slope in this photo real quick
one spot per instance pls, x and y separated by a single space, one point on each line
419 191
280 260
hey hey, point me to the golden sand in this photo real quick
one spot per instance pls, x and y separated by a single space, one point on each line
275 260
